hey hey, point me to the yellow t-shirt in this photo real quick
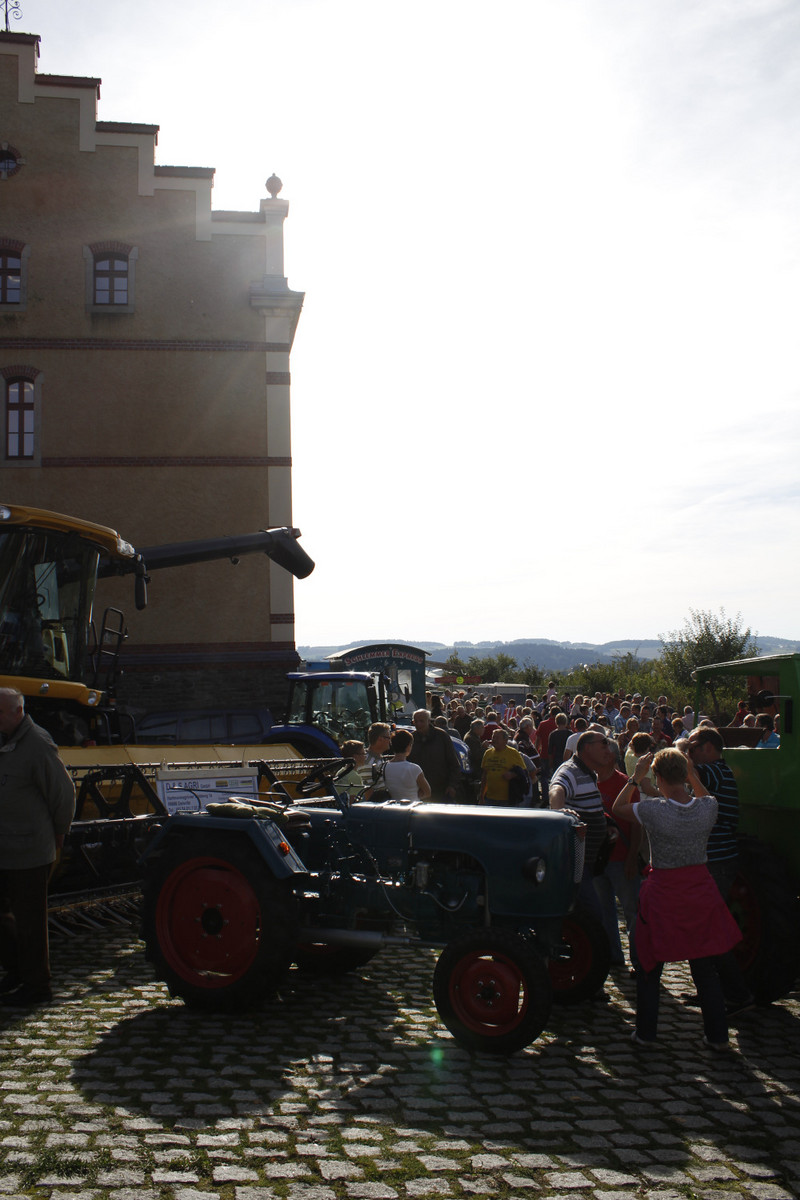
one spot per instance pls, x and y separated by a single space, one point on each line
495 763
630 767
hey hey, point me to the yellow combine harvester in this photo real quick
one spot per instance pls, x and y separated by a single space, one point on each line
66 666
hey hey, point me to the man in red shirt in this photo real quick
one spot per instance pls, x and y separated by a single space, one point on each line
546 727
658 733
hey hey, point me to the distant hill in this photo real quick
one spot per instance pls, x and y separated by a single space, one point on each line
544 652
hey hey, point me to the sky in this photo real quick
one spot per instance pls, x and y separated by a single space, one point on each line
545 382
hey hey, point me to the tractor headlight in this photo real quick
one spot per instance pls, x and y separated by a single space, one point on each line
535 869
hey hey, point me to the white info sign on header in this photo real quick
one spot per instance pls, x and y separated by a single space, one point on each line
191 791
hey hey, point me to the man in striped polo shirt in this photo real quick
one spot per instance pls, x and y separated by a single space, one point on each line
704 746
574 786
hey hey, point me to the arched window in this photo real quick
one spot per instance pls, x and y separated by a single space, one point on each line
13 274
111 279
110 270
23 393
10 160
20 419
10 277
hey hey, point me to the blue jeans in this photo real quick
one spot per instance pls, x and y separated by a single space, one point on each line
587 896
611 886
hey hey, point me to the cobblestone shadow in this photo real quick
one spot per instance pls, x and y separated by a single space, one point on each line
351 1090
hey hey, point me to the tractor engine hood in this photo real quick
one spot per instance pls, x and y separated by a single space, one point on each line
506 842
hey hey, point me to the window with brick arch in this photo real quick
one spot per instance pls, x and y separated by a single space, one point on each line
111 279
10 277
20 419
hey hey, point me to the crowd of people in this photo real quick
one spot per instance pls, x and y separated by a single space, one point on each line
657 803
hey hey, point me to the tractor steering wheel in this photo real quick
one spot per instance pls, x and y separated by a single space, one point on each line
326 775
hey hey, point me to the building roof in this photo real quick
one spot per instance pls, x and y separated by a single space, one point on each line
30 39
186 172
125 127
76 81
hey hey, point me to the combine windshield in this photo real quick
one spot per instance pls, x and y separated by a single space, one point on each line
47 581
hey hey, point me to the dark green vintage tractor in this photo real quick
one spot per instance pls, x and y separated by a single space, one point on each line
235 895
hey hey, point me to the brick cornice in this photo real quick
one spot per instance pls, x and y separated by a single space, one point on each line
199 656
199 648
169 460
41 343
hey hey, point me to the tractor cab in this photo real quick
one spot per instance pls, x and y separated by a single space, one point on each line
328 708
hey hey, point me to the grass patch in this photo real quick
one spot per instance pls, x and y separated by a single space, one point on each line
51 1161
197 1161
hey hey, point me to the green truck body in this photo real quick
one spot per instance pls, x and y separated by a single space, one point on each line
765 898
768 780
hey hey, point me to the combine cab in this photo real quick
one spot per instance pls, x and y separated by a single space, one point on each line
51 648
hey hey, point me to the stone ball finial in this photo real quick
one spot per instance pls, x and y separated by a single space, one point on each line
274 185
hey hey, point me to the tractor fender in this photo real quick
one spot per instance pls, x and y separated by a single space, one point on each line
263 833
309 740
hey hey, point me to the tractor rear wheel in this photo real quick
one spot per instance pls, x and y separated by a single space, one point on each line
218 927
492 991
764 902
582 975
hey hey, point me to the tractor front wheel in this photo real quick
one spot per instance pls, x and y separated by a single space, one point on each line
219 928
582 975
492 991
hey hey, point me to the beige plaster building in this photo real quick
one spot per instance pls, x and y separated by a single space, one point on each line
144 359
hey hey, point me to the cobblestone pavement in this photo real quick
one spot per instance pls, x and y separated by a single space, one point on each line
352 1090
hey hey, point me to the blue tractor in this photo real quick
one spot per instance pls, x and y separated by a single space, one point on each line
327 708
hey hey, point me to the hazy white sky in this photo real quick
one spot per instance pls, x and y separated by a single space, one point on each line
546 378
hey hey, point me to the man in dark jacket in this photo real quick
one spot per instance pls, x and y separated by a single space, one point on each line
433 751
37 804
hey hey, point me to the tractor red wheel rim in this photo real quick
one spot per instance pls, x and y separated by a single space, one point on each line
488 993
208 922
565 973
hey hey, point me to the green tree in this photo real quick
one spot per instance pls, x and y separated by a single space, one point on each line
456 666
532 675
705 638
495 668
625 671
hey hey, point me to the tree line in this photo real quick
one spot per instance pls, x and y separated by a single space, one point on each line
705 637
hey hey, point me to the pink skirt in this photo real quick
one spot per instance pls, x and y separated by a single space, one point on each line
681 916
